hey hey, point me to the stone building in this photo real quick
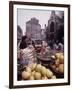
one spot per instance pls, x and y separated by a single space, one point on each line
19 34
43 33
33 29
55 28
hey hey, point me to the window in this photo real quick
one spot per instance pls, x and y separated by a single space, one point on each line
52 27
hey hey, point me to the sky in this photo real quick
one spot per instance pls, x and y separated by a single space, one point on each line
24 15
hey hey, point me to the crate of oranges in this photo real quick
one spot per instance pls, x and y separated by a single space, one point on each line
58 65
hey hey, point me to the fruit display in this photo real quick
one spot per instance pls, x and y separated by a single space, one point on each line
49 73
37 75
61 68
58 65
26 74
37 72
53 77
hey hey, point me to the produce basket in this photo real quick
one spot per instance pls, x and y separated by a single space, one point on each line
55 71
45 59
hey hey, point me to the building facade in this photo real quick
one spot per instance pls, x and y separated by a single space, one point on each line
43 33
55 28
33 29
19 34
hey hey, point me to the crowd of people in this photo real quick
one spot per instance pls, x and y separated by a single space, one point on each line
26 50
27 43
